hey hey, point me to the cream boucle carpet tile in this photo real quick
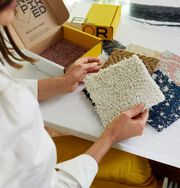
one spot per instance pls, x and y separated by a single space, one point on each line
121 86
142 50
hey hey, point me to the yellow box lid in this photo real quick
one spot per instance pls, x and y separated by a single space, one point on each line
101 14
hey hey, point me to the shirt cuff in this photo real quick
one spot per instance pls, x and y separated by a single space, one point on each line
32 85
82 168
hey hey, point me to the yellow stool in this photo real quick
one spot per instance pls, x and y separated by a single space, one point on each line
118 169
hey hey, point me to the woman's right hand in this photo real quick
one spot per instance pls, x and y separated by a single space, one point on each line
128 124
78 71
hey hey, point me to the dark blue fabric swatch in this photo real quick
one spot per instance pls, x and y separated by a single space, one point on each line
168 111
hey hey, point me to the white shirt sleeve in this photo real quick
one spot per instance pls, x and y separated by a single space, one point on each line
78 172
32 85
27 153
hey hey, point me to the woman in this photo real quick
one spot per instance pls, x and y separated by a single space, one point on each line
27 153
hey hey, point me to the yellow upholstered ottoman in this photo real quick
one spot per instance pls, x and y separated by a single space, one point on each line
118 169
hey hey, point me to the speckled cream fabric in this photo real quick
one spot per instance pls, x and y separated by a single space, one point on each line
118 55
142 50
121 86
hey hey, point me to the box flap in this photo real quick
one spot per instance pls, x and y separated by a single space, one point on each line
36 19
96 14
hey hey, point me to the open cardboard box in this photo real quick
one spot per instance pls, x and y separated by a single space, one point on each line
43 68
38 25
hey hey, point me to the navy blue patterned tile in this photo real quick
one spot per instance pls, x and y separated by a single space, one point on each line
167 112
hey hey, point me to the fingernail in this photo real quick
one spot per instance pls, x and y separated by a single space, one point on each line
139 105
146 110
142 105
95 64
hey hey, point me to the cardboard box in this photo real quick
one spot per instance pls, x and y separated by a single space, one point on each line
78 14
38 25
100 19
43 68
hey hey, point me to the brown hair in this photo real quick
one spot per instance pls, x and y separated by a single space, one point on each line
5 50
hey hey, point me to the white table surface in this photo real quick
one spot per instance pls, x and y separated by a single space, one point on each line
74 114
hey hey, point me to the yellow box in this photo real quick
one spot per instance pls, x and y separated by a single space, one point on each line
102 20
38 25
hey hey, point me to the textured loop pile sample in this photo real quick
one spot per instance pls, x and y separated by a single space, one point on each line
120 87
64 52
142 50
170 65
168 111
118 55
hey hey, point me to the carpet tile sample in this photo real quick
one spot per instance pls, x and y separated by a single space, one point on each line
118 55
142 50
121 86
167 112
110 46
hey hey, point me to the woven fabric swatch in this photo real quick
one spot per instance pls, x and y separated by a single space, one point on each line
170 65
168 111
64 52
120 87
118 55
143 50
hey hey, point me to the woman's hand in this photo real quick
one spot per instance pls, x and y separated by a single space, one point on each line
67 83
126 125
78 70
85 60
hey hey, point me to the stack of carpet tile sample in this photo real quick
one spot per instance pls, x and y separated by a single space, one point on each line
163 69
64 52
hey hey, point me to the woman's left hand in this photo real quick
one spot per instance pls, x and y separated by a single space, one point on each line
86 60
69 81
79 69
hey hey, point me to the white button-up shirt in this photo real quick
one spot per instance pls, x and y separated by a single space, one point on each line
27 153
